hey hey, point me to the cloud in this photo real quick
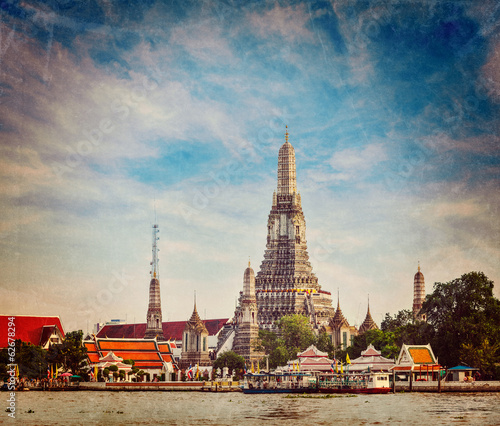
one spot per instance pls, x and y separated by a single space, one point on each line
290 23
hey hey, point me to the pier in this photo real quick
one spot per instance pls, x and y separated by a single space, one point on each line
209 386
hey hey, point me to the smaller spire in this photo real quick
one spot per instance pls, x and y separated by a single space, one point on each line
286 134
368 303
419 266
249 261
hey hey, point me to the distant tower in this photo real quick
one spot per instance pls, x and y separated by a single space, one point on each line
368 323
154 326
285 283
247 325
418 295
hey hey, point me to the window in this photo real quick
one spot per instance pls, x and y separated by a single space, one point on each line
344 339
204 344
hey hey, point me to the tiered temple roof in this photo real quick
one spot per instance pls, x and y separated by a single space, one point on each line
146 354
368 323
371 360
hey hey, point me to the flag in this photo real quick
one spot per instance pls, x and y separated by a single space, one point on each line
189 373
51 372
347 359
341 368
258 367
336 366
17 370
48 372
92 374
245 368
197 372
298 365
253 369
96 371
332 367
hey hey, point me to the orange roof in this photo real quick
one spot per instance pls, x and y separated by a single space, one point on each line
144 356
148 364
421 355
124 345
165 347
92 351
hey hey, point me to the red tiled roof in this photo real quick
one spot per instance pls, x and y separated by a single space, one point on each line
27 328
172 330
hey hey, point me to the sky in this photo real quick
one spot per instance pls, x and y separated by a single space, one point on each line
113 113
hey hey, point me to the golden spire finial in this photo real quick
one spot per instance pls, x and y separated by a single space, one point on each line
419 266
249 261
286 134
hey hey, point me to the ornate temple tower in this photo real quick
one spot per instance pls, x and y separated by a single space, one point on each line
195 342
154 326
368 323
418 295
342 333
246 320
285 283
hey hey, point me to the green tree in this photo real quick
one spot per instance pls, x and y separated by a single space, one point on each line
401 319
297 333
273 346
463 312
31 359
234 362
483 357
384 341
324 343
70 353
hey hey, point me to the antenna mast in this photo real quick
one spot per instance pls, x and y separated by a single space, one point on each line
155 271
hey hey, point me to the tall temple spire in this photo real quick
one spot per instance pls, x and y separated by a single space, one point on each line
285 283
287 176
154 327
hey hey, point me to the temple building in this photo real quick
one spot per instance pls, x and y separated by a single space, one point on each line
153 319
246 320
195 343
418 295
285 283
339 329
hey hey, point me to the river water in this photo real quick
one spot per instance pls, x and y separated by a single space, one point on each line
204 408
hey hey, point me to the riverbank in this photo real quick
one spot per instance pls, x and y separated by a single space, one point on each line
162 386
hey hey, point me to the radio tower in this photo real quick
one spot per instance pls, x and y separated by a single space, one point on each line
154 327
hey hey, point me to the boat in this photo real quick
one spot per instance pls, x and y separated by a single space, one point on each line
367 383
279 382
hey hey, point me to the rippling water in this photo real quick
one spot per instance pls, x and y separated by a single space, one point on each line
188 408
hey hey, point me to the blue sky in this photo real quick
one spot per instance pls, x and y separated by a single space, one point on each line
392 107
